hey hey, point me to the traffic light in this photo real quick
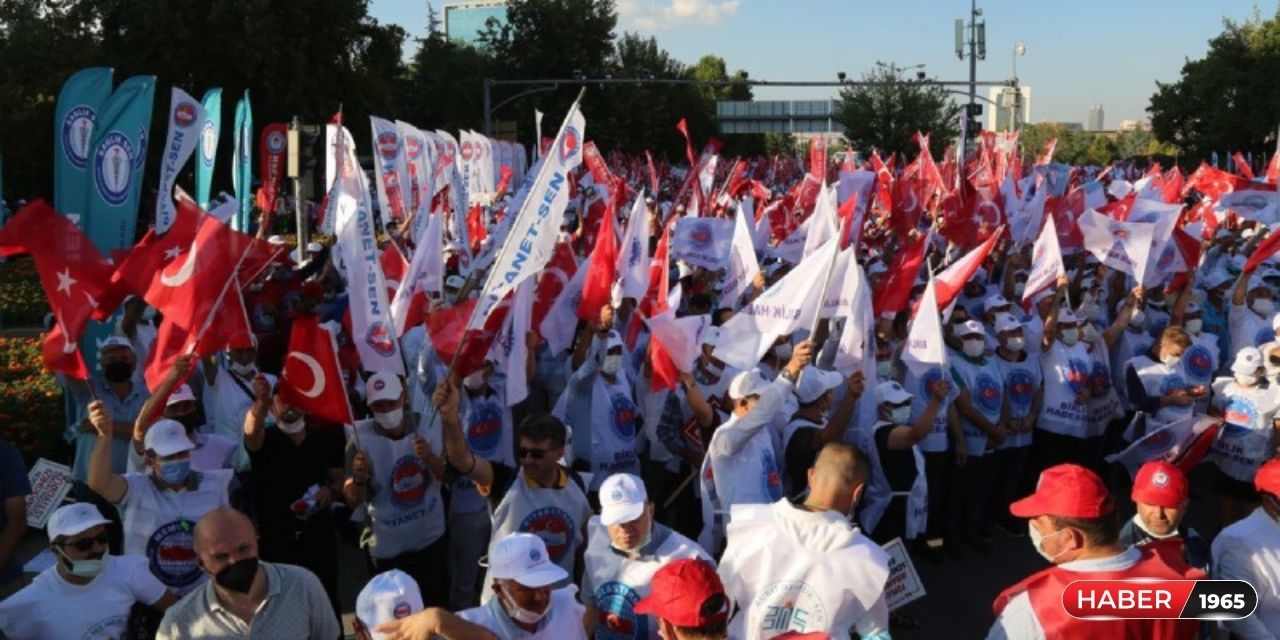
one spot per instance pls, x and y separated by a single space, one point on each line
973 110
972 129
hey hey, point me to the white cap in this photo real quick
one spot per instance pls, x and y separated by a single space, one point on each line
993 301
1192 308
389 596
167 437
1067 315
711 335
523 557
455 281
612 341
1248 233
683 269
746 384
814 382
74 519
314 247
971 327
1006 322
112 342
891 392
1248 361
383 386
181 394
1219 278
277 240
622 499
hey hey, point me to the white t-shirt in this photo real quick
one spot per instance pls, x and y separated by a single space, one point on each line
1248 329
51 608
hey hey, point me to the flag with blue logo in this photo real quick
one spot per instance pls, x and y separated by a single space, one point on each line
117 155
242 163
79 102
209 131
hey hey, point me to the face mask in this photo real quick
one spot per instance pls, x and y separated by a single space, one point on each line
611 364
1019 288
243 370
1037 541
1262 306
1194 326
884 369
474 381
1247 381
1014 344
714 369
1070 336
783 351
82 568
1090 333
175 472
149 314
523 616
293 427
390 419
974 348
117 372
900 415
1169 360
238 576
1137 319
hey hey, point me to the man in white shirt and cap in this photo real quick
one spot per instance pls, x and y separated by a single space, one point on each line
1248 550
213 450
390 606
804 567
526 607
88 593
625 547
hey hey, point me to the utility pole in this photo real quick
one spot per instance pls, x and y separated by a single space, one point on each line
977 44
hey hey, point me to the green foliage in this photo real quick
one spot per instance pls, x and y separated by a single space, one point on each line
1090 147
884 117
1226 100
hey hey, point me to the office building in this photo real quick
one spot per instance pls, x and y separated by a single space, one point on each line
463 21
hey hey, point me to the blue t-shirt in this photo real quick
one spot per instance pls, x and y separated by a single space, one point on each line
13 483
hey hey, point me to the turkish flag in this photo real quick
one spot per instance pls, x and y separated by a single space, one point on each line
394 268
894 290
447 330
311 378
73 274
146 257
226 321
601 270
558 272
475 228
950 281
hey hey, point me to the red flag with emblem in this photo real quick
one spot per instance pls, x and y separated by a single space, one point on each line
311 377
894 290
147 256
1213 182
227 320
475 228
447 328
558 272
950 282
394 268
602 269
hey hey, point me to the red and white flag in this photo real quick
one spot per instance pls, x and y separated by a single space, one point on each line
925 350
424 277
227 321
1182 442
390 169
557 275
601 269
311 378
191 280
950 281
681 337
186 115
272 151
561 319
633 261
1046 263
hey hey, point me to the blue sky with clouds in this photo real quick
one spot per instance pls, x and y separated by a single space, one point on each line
1078 53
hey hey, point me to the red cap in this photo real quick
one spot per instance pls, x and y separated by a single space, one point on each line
1268 478
680 592
1161 484
1066 491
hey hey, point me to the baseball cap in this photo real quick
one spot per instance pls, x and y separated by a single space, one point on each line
1248 361
891 392
682 593
277 240
1067 316
74 519
970 327
1268 477
1160 483
314 247
523 557
1219 278
622 499
711 336
1066 491
995 301
181 394
1005 322
389 596
454 281
167 437
383 386
748 383
814 382
113 342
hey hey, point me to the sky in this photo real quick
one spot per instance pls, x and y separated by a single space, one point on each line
1078 53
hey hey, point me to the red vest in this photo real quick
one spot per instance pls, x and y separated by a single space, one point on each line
1160 559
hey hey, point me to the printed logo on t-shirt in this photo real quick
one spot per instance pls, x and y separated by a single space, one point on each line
787 606
987 393
172 555
624 416
931 376
1264 336
1077 375
408 482
1172 383
1239 413
485 429
1158 442
1022 389
616 616
109 629
554 526
1198 362
1100 377
772 479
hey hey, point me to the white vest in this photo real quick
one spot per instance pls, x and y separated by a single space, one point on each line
486 423
1158 379
936 441
159 524
876 498
619 582
1021 382
792 570
986 394
1200 360
404 503
752 476
1066 373
555 515
562 622
1104 407
1248 432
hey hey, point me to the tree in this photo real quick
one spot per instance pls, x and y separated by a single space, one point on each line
885 116
1225 101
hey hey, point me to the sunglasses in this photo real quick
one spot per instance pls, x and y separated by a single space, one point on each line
536 454
87 544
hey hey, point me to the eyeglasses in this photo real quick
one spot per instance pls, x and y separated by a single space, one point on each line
87 544
536 454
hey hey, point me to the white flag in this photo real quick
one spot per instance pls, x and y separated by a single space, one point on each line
1167 442
186 116
925 350
417 155
703 242
1046 262
537 130
426 271
1251 204
1165 259
562 318
389 170
510 350
532 239
789 305
1119 245
680 336
856 350
823 221
1029 213
633 259
743 265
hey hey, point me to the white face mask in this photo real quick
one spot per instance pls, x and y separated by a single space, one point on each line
1194 326
1070 336
611 364
1247 380
293 428
390 419
474 381
974 348
82 568
1019 288
1137 319
1263 306
884 368
1015 343
1037 541
714 369
900 415
523 616
243 370
1170 360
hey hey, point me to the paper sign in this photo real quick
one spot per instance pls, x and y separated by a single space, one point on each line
903 585
50 483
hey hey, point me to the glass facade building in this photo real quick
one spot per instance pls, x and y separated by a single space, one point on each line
463 21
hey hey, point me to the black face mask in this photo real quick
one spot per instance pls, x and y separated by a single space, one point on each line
117 371
238 577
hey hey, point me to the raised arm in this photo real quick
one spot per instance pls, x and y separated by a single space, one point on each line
111 486
154 406
905 437
456 450
842 417
255 430
737 433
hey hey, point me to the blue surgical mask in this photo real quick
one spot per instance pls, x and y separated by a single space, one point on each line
175 472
